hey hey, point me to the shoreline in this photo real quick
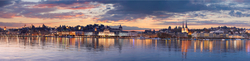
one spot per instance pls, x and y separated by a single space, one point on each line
125 37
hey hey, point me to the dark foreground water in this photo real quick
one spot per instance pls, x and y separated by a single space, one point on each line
114 49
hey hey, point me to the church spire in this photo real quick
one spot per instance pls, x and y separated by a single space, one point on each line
120 27
183 24
186 24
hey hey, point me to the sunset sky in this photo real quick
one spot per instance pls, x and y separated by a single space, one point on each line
131 14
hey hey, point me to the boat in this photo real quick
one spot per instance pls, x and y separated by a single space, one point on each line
223 39
69 36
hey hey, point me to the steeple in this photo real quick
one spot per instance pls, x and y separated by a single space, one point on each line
186 24
120 27
184 30
32 26
183 24
43 25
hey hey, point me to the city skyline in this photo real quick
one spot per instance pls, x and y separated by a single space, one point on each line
132 15
125 28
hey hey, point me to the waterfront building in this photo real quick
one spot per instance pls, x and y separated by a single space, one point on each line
247 31
209 35
13 32
195 34
133 33
88 33
123 33
236 36
116 29
178 34
106 32
63 33
71 33
53 31
79 33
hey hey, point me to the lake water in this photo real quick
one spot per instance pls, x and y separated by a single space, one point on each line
115 49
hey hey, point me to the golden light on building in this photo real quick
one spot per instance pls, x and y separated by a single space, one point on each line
79 28
248 31
106 32
67 27
190 33
72 33
95 29
5 28
184 30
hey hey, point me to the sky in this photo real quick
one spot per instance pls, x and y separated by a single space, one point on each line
131 14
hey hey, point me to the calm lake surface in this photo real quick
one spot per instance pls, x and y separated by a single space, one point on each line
115 49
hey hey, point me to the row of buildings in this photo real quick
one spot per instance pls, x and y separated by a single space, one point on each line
89 30
221 34
213 32
106 31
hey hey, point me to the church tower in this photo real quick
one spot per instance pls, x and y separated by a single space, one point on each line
120 27
184 29
186 24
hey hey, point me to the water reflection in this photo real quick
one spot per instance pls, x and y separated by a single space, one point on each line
98 44
115 44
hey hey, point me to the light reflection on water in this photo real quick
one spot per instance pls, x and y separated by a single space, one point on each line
106 49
